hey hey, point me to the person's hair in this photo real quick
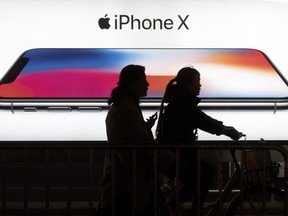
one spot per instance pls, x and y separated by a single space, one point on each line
185 75
128 75
182 80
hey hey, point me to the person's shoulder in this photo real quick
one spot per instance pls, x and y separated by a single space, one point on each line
125 104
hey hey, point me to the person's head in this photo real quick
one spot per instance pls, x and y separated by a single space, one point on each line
189 78
132 81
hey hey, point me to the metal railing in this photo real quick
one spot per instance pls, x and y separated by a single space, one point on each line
46 176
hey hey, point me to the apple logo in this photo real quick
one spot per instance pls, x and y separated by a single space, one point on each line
104 22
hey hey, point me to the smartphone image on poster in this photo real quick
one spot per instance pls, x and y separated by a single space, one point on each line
80 80
77 79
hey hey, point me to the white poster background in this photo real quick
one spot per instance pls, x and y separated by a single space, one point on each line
259 24
27 24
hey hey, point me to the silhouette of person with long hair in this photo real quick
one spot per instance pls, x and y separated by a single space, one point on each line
131 169
179 122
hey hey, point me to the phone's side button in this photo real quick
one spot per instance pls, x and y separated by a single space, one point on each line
30 109
59 109
89 109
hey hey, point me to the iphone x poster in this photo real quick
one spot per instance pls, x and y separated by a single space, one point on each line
151 24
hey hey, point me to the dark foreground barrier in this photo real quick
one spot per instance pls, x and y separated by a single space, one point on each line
62 177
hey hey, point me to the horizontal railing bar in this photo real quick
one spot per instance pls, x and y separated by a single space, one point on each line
273 145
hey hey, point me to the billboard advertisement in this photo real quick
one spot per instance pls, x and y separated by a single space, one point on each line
210 24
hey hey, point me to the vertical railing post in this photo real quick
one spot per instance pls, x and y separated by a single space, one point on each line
134 184
113 198
242 182
156 186
286 184
47 182
69 185
198 182
264 183
178 211
25 181
91 182
220 180
4 182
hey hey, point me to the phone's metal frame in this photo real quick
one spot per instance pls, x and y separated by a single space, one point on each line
97 105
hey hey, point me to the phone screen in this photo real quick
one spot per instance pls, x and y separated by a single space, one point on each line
93 73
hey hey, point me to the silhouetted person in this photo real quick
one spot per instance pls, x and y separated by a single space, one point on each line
125 125
179 123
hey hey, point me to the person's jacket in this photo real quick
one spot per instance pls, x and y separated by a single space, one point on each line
182 117
125 125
